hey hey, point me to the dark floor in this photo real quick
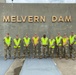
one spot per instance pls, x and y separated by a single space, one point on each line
17 70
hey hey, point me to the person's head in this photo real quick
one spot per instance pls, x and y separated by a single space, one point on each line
65 35
26 36
17 37
58 34
44 36
72 33
35 35
7 35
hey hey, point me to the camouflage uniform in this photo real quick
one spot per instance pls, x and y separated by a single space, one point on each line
44 44
35 50
26 51
72 46
26 46
66 48
35 46
43 51
7 48
51 47
17 47
59 46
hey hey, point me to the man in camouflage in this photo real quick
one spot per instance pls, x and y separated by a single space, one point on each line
35 41
44 44
72 45
7 46
58 40
26 41
51 46
17 46
65 46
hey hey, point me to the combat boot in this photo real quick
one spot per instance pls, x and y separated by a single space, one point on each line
5 58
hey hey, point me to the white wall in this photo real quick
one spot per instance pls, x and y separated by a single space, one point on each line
41 1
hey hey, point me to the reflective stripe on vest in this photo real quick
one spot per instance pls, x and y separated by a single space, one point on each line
35 40
7 40
58 40
65 40
44 41
72 38
51 43
17 42
26 41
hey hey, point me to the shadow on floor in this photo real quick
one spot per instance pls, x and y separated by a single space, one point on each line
17 70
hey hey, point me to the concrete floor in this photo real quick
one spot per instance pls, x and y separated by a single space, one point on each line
4 65
36 66
15 67
66 67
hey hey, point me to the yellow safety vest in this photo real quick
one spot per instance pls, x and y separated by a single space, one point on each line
7 40
75 40
44 41
72 39
17 43
35 40
26 41
65 40
58 40
51 43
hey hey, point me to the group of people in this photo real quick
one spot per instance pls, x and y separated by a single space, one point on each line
62 47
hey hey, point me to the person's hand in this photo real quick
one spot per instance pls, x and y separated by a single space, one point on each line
26 45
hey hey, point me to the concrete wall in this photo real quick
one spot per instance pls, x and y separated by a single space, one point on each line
48 27
2 1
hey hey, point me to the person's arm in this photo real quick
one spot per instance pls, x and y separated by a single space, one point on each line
74 40
4 42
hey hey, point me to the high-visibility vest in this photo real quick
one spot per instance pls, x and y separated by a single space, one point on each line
51 43
44 41
75 39
7 40
58 41
72 39
65 41
35 40
26 41
17 43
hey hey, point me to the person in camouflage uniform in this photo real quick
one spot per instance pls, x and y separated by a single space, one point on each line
65 46
26 41
7 46
17 46
44 44
51 46
59 43
35 41
72 45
